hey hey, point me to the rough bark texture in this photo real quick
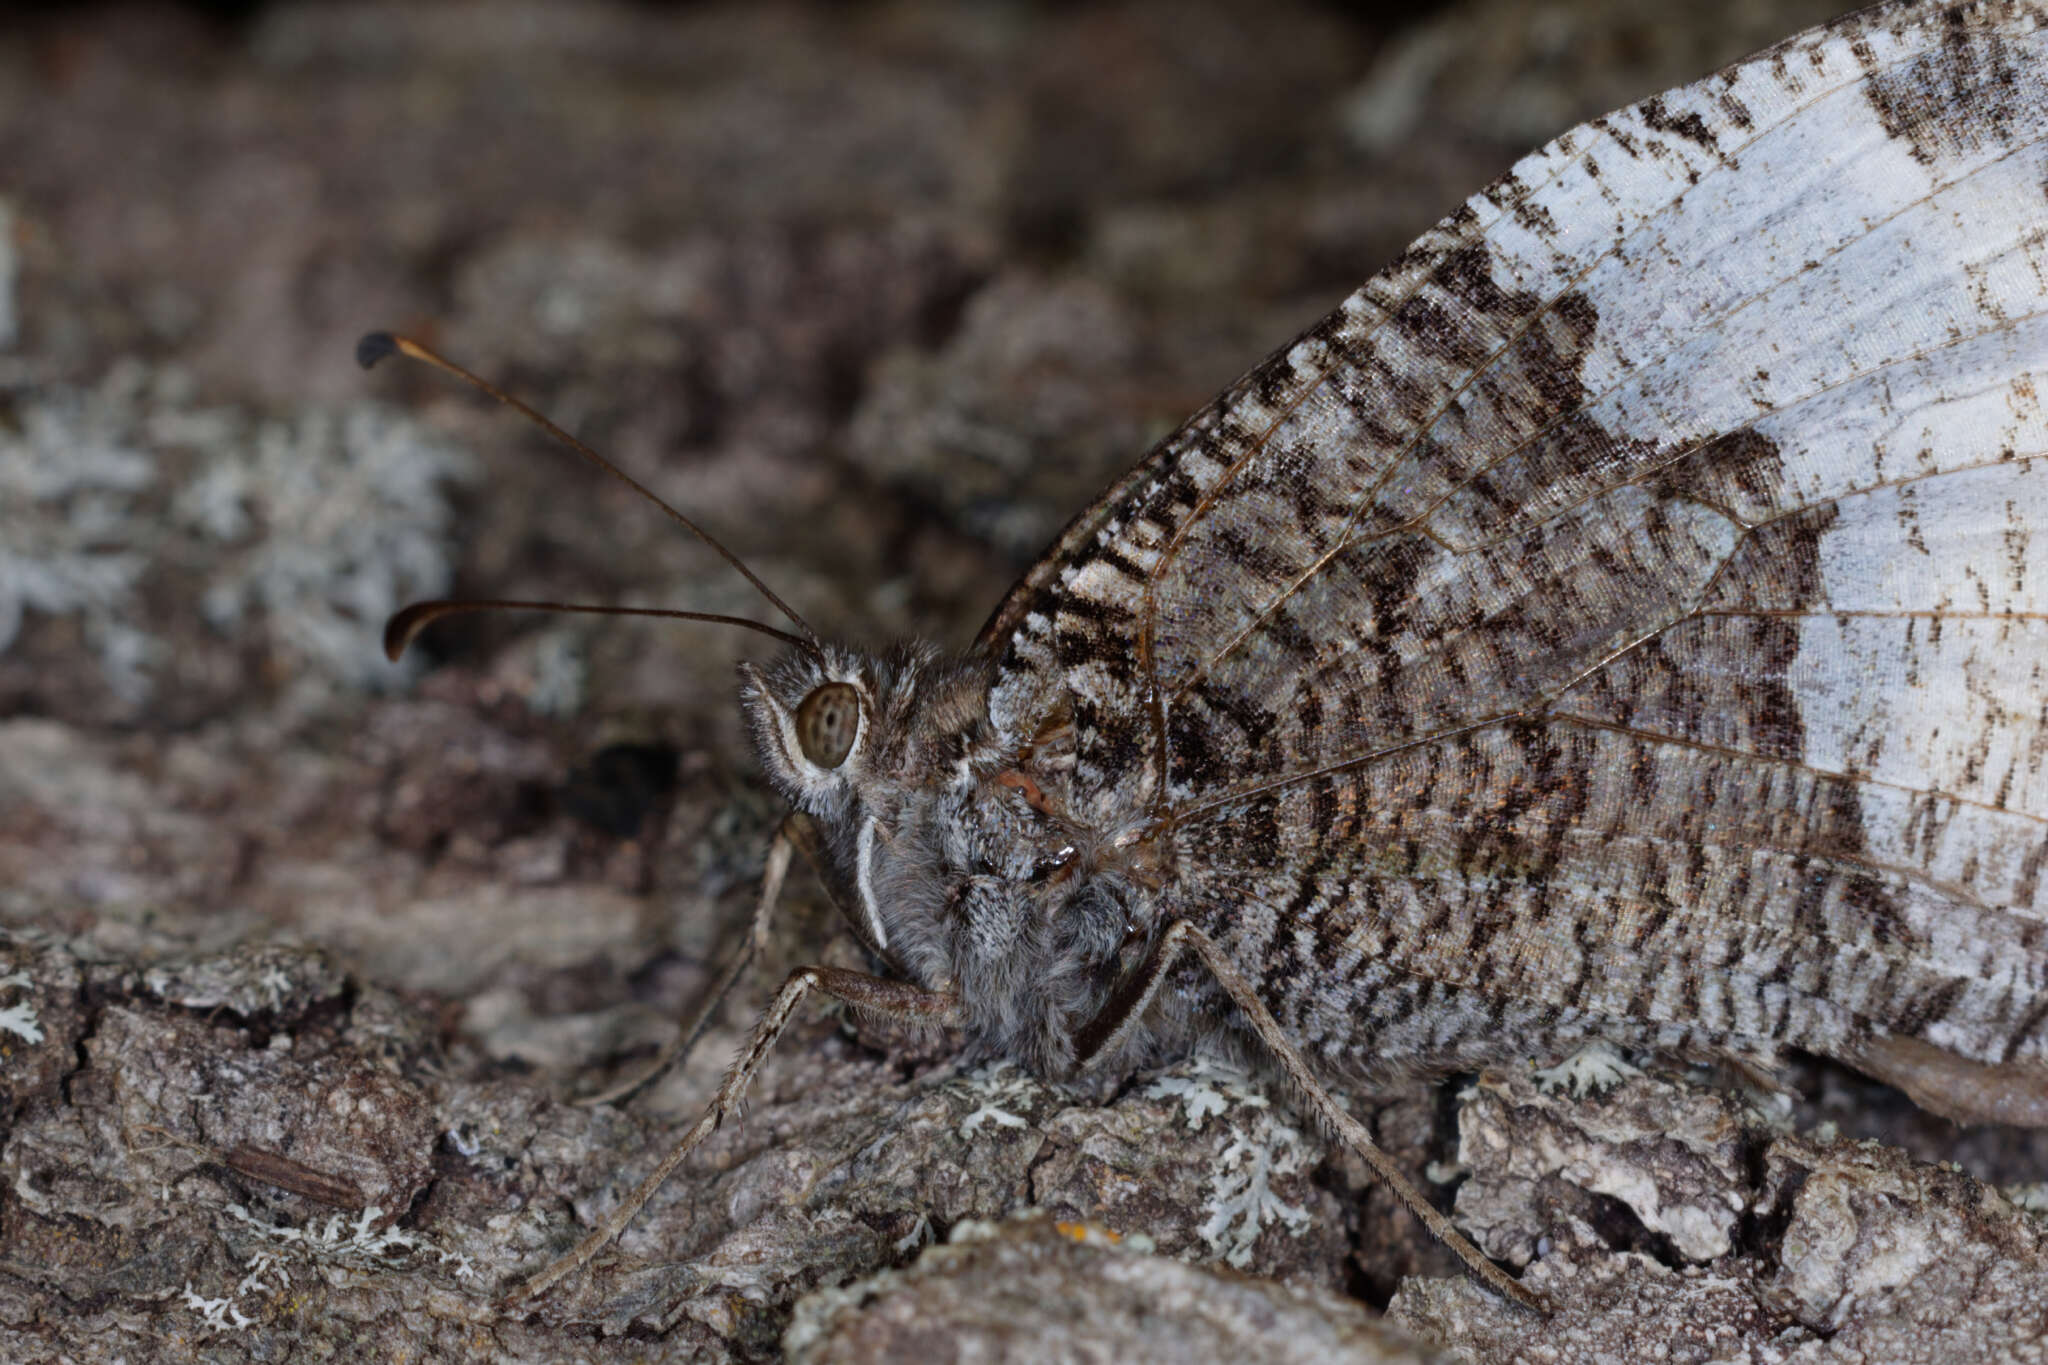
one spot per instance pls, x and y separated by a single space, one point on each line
302 957
1038 1289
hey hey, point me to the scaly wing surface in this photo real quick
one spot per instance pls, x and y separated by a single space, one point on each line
1623 607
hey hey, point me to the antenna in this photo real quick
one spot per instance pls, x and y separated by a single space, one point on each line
404 625
375 346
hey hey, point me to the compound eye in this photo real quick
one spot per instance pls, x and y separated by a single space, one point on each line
826 723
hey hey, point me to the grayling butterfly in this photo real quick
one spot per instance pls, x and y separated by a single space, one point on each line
1616 621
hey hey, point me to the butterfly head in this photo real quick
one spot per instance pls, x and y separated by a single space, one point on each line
866 746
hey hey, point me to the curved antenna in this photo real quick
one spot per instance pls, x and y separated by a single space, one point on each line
404 625
374 346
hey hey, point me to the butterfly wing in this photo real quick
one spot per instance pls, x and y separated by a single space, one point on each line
1623 608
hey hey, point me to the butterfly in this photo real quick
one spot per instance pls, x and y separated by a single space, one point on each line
1617 621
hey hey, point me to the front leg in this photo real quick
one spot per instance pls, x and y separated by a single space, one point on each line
895 998
793 833
1101 1036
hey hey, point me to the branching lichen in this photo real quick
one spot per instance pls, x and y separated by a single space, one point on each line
996 1085
361 1243
1241 1201
1206 1087
1594 1069
220 1314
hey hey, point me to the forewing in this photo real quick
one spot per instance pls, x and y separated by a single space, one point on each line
1629 592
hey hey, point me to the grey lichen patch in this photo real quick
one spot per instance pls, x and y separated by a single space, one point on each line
997 1090
274 980
159 527
1242 1199
20 1018
1037 1288
366 1243
326 524
1673 1156
1236 1185
73 468
1594 1069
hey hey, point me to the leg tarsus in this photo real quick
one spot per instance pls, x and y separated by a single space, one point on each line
854 988
677 1048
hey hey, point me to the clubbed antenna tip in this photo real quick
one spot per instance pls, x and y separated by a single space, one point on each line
400 629
374 347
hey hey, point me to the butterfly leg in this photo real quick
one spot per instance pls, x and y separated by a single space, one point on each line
787 838
1106 1030
898 999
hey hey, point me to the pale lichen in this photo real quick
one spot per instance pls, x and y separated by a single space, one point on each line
308 531
362 1242
920 1235
330 522
996 1085
72 471
1205 1087
1241 1202
1594 1069
1241 1199
358 1243
218 1315
20 1018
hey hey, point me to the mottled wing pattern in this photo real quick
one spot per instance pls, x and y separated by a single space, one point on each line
1624 607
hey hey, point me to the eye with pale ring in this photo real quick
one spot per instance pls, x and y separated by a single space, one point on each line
826 723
